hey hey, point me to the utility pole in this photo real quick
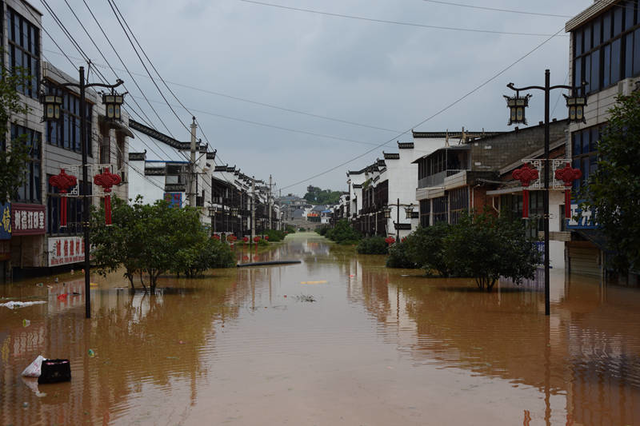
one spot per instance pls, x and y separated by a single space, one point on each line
191 177
269 203
253 207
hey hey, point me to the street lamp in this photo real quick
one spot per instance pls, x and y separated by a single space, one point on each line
387 212
52 112
520 118
409 211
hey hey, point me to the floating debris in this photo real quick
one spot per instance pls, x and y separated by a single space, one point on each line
14 304
305 298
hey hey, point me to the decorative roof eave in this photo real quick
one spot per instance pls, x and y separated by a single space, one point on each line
391 155
155 134
405 145
589 13
357 185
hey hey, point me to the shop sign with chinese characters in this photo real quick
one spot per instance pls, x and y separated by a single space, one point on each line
27 219
65 250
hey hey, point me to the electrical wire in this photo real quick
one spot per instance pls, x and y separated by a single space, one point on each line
493 9
408 24
449 106
264 104
125 67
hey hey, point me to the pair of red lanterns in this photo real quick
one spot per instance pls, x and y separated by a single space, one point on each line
64 182
526 175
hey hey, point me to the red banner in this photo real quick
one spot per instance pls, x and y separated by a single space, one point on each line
28 219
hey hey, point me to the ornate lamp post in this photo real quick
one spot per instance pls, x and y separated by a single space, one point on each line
52 112
517 107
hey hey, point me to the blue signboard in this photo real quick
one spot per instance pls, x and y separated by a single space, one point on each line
5 221
581 219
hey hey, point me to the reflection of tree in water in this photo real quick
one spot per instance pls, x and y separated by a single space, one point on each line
142 343
503 334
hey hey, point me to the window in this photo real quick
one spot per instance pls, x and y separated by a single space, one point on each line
440 209
65 133
459 201
607 49
586 157
24 50
425 212
31 189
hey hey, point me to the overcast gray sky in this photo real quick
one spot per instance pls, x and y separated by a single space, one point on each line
294 93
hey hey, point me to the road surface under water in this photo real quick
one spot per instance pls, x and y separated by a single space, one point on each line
336 340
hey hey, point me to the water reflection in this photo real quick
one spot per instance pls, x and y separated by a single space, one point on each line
379 346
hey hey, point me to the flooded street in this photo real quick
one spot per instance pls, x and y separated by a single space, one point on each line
335 340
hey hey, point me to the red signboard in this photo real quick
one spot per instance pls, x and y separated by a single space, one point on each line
27 219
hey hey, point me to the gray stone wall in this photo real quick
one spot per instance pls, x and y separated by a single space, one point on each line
495 152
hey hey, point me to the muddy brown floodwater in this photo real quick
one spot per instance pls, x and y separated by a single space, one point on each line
335 340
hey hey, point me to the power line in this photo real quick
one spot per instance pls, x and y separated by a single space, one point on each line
498 10
265 104
125 67
486 82
408 24
286 129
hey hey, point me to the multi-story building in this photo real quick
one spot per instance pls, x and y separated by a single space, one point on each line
605 53
36 240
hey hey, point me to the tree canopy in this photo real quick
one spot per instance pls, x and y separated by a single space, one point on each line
612 192
153 239
316 195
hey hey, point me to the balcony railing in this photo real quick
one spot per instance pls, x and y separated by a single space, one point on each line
437 179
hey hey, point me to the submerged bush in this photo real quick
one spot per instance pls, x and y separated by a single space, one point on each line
372 245
399 258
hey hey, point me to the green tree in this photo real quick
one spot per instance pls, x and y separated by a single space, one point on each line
612 193
486 248
13 160
426 248
153 239
316 195
343 233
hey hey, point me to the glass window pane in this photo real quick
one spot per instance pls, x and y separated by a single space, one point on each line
577 143
587 72
586 138
594 138
636 52
629 14
587 38
617 20
616 49
628 56
606 68
606 27
577 72
577 42
595 71
597 32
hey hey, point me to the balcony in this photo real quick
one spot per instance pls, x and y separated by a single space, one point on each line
438 178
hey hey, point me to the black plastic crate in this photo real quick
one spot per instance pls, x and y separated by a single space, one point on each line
55 370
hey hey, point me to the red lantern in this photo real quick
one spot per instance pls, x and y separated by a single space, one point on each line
216 236
256 239
63 182
389 240
266 237
525 175
568 175
106 180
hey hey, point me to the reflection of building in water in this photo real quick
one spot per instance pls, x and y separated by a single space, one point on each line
141 343
583 360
